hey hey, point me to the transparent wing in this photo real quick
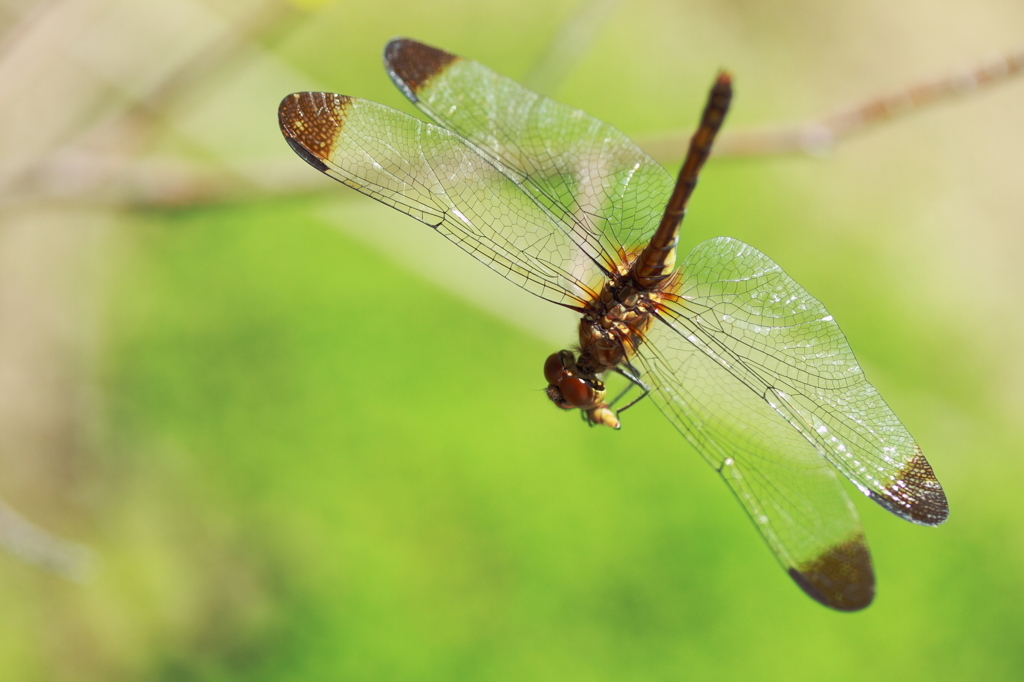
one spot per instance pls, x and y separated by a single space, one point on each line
759 378
741 310
581 170
756 374
434 176
790 492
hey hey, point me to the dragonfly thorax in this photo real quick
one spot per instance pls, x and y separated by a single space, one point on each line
611 328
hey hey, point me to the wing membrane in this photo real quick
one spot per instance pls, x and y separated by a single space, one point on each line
582 170
772 342
758 377
789 491
432 175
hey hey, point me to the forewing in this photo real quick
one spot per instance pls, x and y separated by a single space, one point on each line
764 333
790 492
434 176
583 171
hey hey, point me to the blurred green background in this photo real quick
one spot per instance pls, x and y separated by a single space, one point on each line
295 455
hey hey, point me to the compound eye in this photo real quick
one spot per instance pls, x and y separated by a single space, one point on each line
555 396
578 392
554 369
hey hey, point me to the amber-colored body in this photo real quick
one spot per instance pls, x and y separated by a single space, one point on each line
614 323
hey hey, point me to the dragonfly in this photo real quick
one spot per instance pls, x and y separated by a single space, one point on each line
750 369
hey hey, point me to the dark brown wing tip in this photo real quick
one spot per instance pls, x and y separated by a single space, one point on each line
916 494
310 122
411 65
841 578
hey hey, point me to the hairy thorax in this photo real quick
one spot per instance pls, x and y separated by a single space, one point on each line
612 327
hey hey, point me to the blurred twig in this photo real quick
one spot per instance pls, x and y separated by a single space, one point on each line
104 162
210 63
82 128
36 547
570 42
104 166
823 134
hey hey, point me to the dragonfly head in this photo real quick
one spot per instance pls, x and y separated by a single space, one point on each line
569 389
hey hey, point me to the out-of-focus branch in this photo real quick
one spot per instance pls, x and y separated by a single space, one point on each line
36 547
103 161
121 178
208 64
820 136
77 177
84 140
569 43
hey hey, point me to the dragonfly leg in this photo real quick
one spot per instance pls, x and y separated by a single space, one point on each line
629 372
